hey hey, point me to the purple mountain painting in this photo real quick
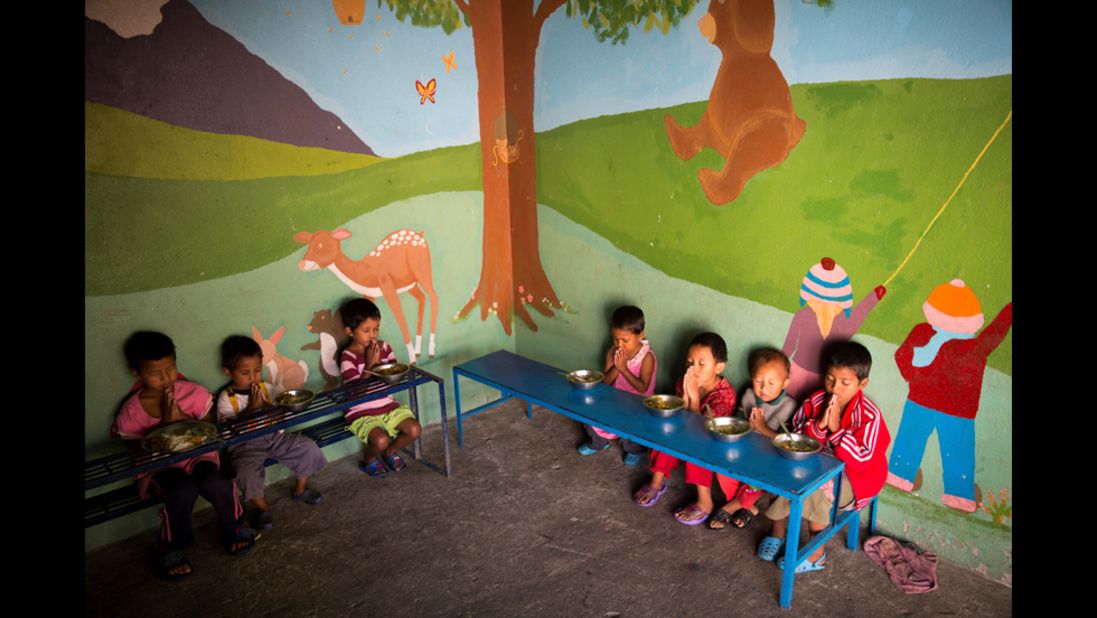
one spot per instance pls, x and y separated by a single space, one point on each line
192 74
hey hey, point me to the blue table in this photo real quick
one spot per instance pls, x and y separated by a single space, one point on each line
752 459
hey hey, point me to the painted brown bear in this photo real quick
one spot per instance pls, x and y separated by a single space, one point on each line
749 118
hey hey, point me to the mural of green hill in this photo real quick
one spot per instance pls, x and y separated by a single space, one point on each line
112 136
878 161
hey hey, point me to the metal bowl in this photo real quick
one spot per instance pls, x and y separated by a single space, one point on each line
585 379
296 399
664 406
727 428
796 438
391 373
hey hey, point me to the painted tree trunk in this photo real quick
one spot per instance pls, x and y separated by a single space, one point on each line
505 35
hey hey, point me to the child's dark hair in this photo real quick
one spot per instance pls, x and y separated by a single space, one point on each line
628 318
766 356
356 311
237 347
853 356
714 343
147 345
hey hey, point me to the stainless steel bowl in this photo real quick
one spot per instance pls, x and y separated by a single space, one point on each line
799 438
296 399
720 425
585 379
657 405
391 373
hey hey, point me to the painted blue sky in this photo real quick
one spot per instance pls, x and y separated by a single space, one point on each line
366 74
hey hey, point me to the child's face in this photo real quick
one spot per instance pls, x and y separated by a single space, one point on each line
248 371
769 380
842 384
366 333
627 341
704 366
158 375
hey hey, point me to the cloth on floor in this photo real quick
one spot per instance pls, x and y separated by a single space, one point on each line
911 570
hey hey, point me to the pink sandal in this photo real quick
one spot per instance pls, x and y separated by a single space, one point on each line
691 515
647 495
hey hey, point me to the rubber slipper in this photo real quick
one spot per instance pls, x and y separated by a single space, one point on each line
768 548
244 535
742 518
587 449
721 517
646 496
309 497
806 565
170 561
264 520
374 468
692 515
395 462
633 459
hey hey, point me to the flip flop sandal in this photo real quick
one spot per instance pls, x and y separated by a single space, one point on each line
633 459
806 565
587 449
692 515
374 468
646 496
721 517
742 518
264 520
244 535
171 561
768 548
309 497
395 463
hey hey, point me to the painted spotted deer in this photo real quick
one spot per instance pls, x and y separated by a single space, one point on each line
399 263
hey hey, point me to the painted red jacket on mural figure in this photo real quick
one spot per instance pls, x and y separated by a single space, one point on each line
861 441
951 384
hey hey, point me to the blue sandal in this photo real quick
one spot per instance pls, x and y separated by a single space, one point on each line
768 548
806 565
631 459
241 541
587 449
309 497
374 468
395 462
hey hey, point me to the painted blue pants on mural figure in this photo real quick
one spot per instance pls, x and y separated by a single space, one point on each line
956 437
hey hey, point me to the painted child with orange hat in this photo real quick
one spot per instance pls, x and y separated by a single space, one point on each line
944 362
829 317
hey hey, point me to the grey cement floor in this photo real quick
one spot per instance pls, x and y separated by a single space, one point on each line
525 526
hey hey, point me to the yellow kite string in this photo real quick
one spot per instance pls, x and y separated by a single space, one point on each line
949 200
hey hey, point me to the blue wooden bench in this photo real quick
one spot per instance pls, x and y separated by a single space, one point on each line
124 465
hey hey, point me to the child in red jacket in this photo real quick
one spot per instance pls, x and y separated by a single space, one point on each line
851 428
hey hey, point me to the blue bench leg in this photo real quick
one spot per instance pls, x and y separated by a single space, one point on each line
457 402
529 409
792 550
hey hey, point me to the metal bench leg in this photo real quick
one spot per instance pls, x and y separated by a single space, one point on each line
457 401
792 550
445 424
413 400
529 409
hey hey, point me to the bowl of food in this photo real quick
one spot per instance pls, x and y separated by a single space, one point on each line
179 437
727 428
663 406
796 446
585 379
296 399
391 373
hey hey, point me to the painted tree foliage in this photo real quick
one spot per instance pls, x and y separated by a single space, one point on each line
505 36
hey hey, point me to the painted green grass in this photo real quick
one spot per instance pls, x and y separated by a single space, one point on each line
112 136
876 163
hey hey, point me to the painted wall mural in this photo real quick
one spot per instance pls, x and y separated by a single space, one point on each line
943 360
284 373
327 325
829 317
399 263
749 118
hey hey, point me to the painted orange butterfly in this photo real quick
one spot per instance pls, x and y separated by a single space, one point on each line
426 92
450 61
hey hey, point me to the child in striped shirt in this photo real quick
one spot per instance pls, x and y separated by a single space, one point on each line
383 425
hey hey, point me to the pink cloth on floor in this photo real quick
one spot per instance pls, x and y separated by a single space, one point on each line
910 571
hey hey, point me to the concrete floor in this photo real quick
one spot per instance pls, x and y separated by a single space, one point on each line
525 526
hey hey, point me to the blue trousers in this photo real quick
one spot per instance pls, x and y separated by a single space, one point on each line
956 437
